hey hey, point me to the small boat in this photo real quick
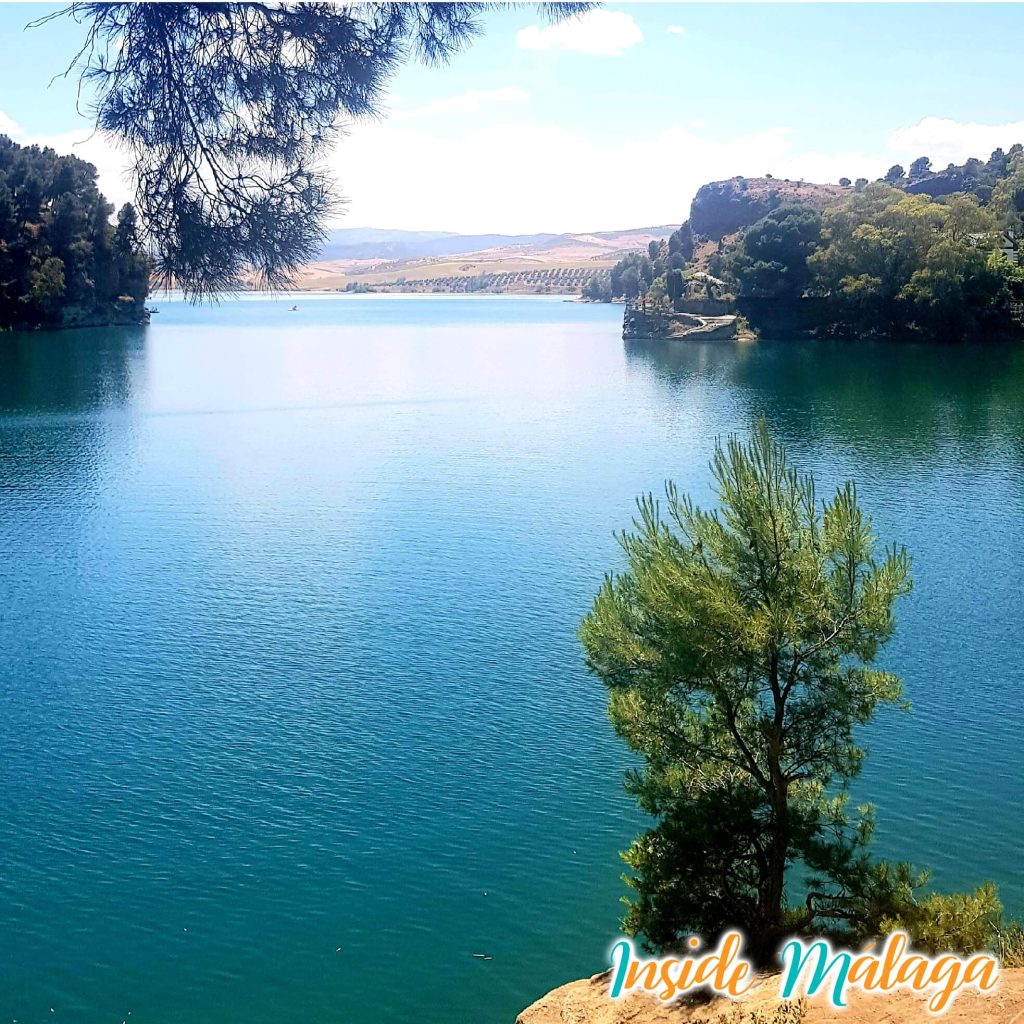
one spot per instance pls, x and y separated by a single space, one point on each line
294 309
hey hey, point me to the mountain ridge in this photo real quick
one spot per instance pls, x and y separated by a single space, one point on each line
398 244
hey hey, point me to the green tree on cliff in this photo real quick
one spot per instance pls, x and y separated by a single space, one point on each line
770 260
892 263
739 649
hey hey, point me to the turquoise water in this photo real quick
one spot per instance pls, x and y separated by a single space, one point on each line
288 622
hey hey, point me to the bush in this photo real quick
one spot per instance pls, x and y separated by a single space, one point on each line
1008 944
956 922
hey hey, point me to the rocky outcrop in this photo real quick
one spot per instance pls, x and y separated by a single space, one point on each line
655 324
722 207
587 1002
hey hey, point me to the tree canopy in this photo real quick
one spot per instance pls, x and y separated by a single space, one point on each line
227 110
740 650
61 260
771 258
889 261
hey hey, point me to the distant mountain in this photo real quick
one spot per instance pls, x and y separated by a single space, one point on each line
383 244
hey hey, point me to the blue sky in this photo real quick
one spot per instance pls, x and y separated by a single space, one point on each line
614 120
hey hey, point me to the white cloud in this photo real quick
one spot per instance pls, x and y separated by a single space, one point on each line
597 31
676 30
468 102
946 141
8 126
522 177
517 176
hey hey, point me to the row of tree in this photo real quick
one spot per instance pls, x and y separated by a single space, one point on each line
62 261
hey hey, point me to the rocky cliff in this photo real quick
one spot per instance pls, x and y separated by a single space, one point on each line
661 325
722 207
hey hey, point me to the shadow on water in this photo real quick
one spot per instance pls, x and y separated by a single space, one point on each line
74 372
894 401
58 393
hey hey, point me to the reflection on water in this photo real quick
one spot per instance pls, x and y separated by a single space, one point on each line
894 400
69 371
290 665
62 395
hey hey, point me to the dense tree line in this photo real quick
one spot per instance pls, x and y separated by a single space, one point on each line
661 274
62 261
975 176
916 252
882 262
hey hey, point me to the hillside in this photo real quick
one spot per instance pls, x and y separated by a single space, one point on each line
379 243
559 264
723 207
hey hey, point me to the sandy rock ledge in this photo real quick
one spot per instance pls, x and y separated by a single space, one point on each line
587 1002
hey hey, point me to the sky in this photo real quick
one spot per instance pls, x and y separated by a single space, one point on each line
613 120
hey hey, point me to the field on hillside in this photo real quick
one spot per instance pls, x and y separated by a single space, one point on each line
561 266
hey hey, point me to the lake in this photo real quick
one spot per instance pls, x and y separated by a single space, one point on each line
294 716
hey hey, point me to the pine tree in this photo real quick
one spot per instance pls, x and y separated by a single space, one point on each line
739 649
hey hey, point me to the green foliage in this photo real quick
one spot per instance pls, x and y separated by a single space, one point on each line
1009 944
738 649
658 291
680 243
46 286
675 285
633 275
892 262
58 250
771 258
939 922
1007 202
919 168
882 897
598 288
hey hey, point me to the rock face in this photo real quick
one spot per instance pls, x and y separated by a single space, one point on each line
655 324
587 1002
721 207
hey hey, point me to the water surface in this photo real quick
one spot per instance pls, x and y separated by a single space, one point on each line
292 711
